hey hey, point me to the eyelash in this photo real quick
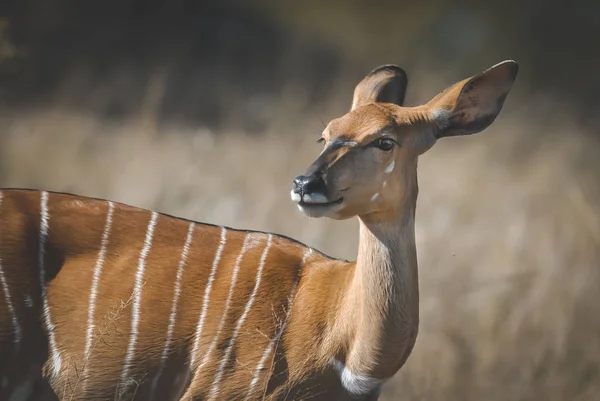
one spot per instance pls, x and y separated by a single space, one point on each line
379 142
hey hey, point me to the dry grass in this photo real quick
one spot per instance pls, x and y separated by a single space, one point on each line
508 231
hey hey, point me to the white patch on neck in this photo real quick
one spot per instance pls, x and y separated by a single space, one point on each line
374 197
384 183
353 383
390 167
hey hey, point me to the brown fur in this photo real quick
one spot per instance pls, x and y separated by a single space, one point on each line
317 313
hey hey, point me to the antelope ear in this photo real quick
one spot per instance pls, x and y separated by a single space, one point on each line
385 84
471 105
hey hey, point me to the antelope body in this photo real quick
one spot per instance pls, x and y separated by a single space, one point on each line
119 302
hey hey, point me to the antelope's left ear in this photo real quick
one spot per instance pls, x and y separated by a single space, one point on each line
471 105
385 84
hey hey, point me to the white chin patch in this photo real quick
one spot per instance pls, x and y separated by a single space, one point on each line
295 196
314 198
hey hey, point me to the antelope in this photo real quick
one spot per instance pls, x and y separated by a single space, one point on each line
119 302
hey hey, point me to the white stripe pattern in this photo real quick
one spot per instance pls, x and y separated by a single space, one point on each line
275 340
206 299
173 315
44 217
236 269
137 300
10 307
219 375
11 310
95 280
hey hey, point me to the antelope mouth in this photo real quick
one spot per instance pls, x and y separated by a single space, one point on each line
309 203
318 209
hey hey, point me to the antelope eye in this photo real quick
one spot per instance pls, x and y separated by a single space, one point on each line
384 144
321 140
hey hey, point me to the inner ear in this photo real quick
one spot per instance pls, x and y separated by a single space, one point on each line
470 106
385 84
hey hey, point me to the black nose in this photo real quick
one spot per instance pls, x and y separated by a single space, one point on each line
304 184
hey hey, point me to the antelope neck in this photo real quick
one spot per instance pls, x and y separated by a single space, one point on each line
383 296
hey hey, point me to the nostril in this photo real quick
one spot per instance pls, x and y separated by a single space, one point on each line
308 184
312 183
298 182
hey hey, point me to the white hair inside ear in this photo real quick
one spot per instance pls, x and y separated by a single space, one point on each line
441 118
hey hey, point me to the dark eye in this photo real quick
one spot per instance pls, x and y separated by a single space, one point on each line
384 144
321 140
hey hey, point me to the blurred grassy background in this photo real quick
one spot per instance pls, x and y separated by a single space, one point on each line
208 110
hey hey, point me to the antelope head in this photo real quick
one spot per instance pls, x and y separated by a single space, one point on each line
368 164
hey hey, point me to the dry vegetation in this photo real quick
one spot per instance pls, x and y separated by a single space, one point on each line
508 228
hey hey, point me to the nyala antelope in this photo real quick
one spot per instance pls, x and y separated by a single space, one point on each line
123 303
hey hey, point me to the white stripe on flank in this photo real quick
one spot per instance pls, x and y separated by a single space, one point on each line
9 305
207 290
95 280
219 375
44 216
236 269
173 315
275 340
137 300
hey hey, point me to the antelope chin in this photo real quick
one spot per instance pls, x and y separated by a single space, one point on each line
319 209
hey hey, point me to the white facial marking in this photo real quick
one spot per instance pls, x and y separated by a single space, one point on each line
174 303
11 310
374 197
44 216
351 144
390 167
137 300
240 322
96 280
247 241
275 340
384 183
315 197
295 196
206 299
353 383
28 301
